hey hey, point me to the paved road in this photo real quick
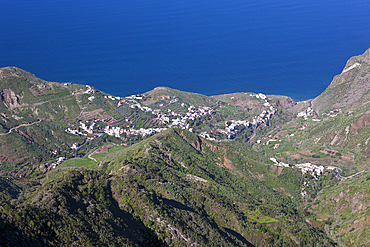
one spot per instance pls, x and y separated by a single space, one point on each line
89 156
317 115
21 125
253 134
339 171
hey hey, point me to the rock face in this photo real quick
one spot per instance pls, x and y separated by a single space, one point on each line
350 88
11 100
287 103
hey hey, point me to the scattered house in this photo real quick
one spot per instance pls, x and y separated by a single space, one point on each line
309 168
54 152
206 136
89 90
263 138
124 144
86 127
261 96
306 113
333 113
165 97
61 159
121 102
74 132
279 163
75 146
67 84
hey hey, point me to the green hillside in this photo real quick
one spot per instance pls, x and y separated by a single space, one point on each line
79 167
185 189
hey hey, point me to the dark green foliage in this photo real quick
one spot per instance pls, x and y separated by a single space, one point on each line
76 209
8 189
234 209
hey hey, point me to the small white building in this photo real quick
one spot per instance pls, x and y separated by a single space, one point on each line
75 146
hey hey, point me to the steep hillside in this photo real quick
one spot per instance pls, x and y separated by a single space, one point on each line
75 210
345 208
349 90
182 189
231 191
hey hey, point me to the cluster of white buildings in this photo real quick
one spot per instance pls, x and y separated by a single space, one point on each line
144 132
259 96
59 161
89 90
205 135
232 129
84 126
268 142
277 163
74 132
306 113
133 98
264 116
140 107
309 168
117 131
113 131
175 119
88 128
333 113
112 97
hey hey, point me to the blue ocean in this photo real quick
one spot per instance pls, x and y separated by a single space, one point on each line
290 47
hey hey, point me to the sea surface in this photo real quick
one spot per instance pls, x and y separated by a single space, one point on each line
122 47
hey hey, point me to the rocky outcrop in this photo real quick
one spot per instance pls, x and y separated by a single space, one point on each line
286 103
10 99
348 89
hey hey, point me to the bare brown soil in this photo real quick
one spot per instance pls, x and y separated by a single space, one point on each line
293 156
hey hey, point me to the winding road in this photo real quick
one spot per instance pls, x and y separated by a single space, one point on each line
317 115
253 133
21 125
339 171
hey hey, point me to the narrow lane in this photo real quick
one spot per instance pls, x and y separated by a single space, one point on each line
21 125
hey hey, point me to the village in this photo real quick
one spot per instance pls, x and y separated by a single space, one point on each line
232 127
170 119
